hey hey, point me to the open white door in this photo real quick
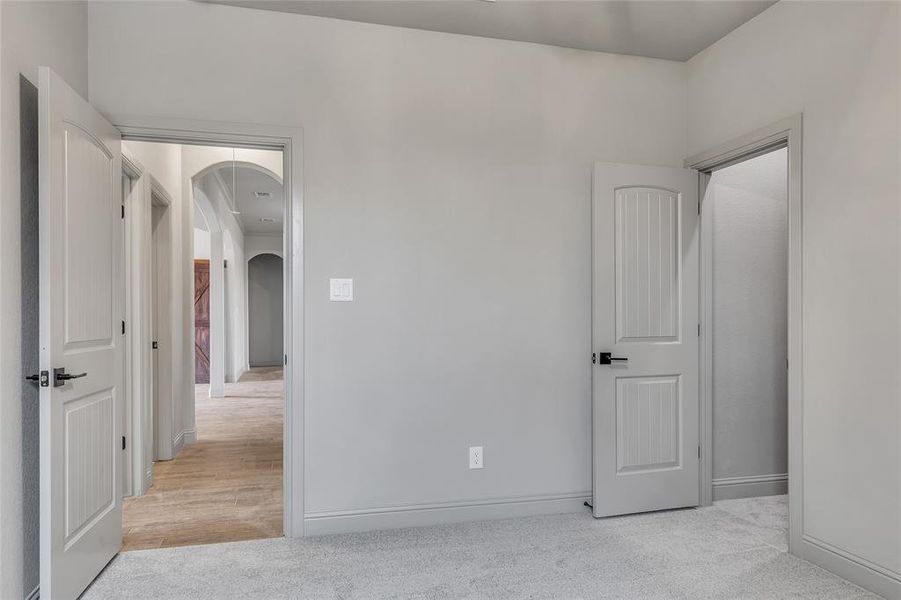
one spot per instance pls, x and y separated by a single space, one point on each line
645 338
81 332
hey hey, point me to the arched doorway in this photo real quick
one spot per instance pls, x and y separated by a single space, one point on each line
265 293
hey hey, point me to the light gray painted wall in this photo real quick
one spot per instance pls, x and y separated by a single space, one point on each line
750 319
450 176
838 62
201 244
265 291
31 34
262 244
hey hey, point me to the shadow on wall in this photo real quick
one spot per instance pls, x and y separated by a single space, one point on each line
265 309
31 472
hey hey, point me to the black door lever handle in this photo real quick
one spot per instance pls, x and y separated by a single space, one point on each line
68 376
607 358
60 377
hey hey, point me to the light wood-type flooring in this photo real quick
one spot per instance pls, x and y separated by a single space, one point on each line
225 487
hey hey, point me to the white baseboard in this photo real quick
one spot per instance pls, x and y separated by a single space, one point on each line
855 569
237 375
325 523
729 488
190 436
35 593
178 443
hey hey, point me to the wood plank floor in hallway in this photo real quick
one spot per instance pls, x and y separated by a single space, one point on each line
225 487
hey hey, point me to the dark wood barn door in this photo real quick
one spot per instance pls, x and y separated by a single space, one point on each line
201 321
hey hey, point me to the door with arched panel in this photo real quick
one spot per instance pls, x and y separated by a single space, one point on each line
645 338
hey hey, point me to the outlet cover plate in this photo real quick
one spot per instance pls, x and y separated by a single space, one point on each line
476 457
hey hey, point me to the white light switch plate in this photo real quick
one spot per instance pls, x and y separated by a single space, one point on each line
341 290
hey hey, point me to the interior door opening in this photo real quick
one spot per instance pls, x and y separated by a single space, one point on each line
216 473
751 191
745 251
748 282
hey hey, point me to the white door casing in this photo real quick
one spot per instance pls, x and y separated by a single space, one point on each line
644 309
139 335
81 266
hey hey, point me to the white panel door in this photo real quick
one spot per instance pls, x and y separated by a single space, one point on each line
645 338
80 328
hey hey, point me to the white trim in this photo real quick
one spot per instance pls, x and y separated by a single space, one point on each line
290 141
705 347
726 481
158 190
229 198
178 442
854 568
131 365
248 256
131 165
34 594
420 515
190 435
240 373
786 132
727 488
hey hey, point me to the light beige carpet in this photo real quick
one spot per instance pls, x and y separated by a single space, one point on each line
731 550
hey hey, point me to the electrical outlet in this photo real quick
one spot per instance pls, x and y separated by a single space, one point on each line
476 457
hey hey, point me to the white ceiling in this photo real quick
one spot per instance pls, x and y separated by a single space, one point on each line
670 29
248 181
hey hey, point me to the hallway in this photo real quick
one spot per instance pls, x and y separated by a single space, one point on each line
225 487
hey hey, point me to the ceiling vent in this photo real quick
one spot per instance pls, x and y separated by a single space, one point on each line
263 194
267 220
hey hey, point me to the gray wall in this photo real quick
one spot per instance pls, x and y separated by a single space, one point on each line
838 62
450 177
750 304
265 307
31 34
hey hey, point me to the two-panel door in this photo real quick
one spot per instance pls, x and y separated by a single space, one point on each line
81 339
645 338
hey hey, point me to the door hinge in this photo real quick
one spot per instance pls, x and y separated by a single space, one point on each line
594 358
123 442
699 452
123 327
123 211
286 360
699 207
225 264
699 330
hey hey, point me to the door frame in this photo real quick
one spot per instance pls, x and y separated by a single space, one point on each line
134 360
140 305
785 133
289 141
